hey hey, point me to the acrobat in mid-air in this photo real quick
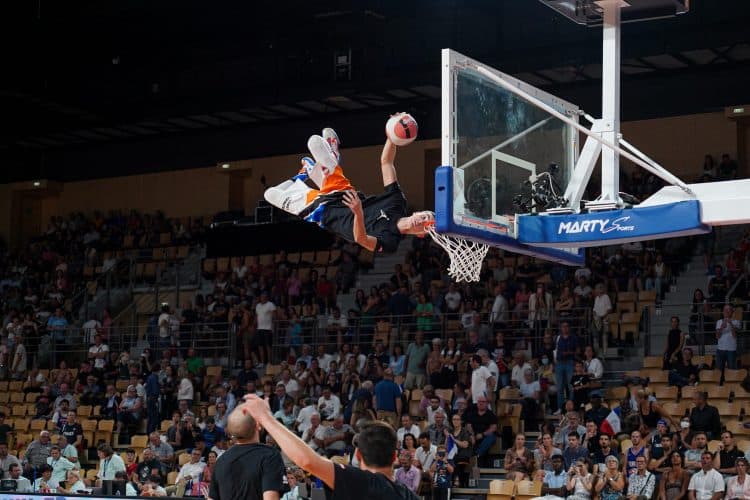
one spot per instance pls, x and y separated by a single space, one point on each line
321 194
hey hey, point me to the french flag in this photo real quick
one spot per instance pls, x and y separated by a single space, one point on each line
611 424
450 446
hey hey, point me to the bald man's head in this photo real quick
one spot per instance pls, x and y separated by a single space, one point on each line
242 426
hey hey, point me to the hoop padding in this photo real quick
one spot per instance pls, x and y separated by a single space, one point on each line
466 255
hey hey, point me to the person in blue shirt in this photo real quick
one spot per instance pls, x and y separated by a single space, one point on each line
574 451
153 393
441 471
211 434
566 347
555 481
57 325
388 399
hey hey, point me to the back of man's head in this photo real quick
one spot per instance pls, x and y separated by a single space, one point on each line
377 444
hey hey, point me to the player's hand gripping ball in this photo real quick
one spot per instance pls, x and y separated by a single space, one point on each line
401 129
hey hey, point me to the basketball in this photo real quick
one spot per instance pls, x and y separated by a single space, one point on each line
401 129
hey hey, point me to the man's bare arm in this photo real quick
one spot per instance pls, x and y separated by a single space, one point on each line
387 165
363 239
296 449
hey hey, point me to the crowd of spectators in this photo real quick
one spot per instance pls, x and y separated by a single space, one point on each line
428 356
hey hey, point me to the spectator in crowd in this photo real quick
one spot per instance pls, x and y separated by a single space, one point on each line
684 372
149 468
406 474
425 454
519 460
60 467
23 485
641 482
192 470
441 474
638 449
407 427
129 411
725 459
109 464
335 438
704 417
738 486
41 484
439 428
571 424
482 381
574 451
163 451
706 483
674 481
37 452
416 361
694 454
545 451
554 485
611 483
531 393
727 329
482 422
463 439
387 401
567 347
6 460
600 455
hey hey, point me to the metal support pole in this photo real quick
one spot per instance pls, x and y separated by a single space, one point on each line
611 99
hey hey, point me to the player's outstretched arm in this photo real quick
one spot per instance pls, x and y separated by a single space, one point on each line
351 200
387 165
296 449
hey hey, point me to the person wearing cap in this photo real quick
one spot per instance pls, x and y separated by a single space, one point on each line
662 429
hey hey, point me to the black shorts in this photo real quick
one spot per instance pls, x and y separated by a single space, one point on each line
262 338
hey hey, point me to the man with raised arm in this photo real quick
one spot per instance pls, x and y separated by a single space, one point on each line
375 452
377 223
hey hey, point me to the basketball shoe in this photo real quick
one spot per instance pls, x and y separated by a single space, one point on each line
324 156
333 141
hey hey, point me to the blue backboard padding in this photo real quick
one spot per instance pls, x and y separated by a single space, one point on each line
613 226
444 223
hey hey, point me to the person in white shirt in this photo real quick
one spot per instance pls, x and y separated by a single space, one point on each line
482 381
489 363
594 366
23 485
41 484
425 454
499 315
407 427
519 367
99 353
452 300
726 336
291 385
67 450
315 431
60 467
109 463
265 311
602 307
707 483
329 405
73 483
90 329
305 415
324 359
192 469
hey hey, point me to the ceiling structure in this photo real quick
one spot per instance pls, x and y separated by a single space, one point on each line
95 89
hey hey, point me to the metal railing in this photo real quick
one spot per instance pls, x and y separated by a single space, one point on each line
365 330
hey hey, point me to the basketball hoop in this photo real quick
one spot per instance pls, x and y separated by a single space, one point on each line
466 255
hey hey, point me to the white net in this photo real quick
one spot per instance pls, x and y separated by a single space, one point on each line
466 255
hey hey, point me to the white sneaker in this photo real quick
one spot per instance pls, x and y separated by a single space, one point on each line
321 151
333 142
289 198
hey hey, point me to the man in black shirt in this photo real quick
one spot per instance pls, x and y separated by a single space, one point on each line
704 417
684 372
377 223
725 460
248 470
149 469
376 452
483 423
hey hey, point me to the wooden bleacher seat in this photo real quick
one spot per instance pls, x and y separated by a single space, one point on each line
501 489
657 376
509 394
647 296
675 410
653 362
718 392
446 394
526 490
625 444
735 375
727 409
713 445
165 425
37 425
19 410
4 397
172 478
138 442
708 376
627 297
625 307
209 266
183 459
213 370
737 428
687 392
17 397
617 393
738 390
666 393
84 411
91 474
630 323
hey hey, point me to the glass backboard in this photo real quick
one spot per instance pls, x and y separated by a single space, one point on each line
498 144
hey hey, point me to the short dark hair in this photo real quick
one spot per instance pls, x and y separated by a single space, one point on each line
377 444
45 468
477 358
424 435
574 434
